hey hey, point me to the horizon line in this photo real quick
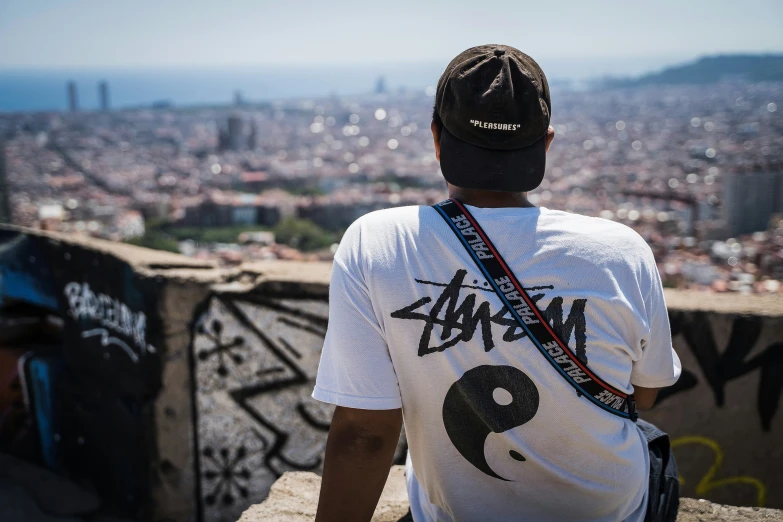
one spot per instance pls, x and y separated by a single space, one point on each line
303 65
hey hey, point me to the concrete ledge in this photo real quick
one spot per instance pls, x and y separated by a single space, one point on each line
175 266
692 510
294 498
138 257
765 305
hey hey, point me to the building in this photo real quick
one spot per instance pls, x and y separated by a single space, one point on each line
73 102
129 224
103 91
207 214
252 139
224 209
750 200
235 132
244 209
5 204
338 215
259 237
255 181
380 86
232 136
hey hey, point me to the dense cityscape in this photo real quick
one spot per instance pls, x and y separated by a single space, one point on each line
697 170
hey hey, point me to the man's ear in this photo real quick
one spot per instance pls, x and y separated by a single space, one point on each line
550 135
436 139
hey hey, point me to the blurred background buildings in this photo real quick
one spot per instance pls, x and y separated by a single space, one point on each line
695 168
299 134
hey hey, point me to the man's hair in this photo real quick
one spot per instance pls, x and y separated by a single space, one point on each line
436 120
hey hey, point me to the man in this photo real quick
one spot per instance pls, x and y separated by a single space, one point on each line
418 332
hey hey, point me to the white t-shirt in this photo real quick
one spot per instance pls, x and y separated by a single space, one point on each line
410 315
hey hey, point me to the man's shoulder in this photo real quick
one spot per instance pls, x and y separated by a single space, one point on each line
394 215
600 233
581 223
388 221
378 229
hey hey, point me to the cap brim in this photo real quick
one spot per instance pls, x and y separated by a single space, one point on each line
472 167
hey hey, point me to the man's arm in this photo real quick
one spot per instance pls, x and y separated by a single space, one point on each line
656 365
645 397
359 453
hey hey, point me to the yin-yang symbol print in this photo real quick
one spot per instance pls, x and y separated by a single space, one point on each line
487 399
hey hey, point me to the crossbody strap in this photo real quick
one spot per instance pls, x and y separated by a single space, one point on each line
526 313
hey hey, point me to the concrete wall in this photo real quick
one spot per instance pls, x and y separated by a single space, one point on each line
94 389
256 355
724 413
218 392
200 378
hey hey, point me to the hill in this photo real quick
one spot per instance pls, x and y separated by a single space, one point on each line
711 69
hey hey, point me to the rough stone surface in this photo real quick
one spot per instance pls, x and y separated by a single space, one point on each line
294 498
174 424
692 510
133 255
764 305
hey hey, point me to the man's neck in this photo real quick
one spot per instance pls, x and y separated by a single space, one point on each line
489 198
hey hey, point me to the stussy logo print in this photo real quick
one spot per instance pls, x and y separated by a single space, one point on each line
459 319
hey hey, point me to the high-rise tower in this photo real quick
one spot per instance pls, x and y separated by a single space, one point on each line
252 139
235 132
73 102
380 85
103 90
750 200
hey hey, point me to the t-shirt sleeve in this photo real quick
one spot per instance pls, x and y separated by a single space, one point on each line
659 366
356 370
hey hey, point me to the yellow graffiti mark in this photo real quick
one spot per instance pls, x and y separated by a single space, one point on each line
707 484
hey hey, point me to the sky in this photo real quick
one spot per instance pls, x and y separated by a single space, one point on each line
100 34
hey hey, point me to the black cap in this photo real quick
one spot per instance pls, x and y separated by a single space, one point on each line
495 107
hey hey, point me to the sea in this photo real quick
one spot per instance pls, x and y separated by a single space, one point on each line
46 90
34 90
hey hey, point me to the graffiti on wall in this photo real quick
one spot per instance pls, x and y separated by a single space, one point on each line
723 414
734 360
256 359
710 480
255 363
90 385
118 325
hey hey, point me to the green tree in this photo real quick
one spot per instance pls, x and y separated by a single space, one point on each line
155 240
303 234
155 237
